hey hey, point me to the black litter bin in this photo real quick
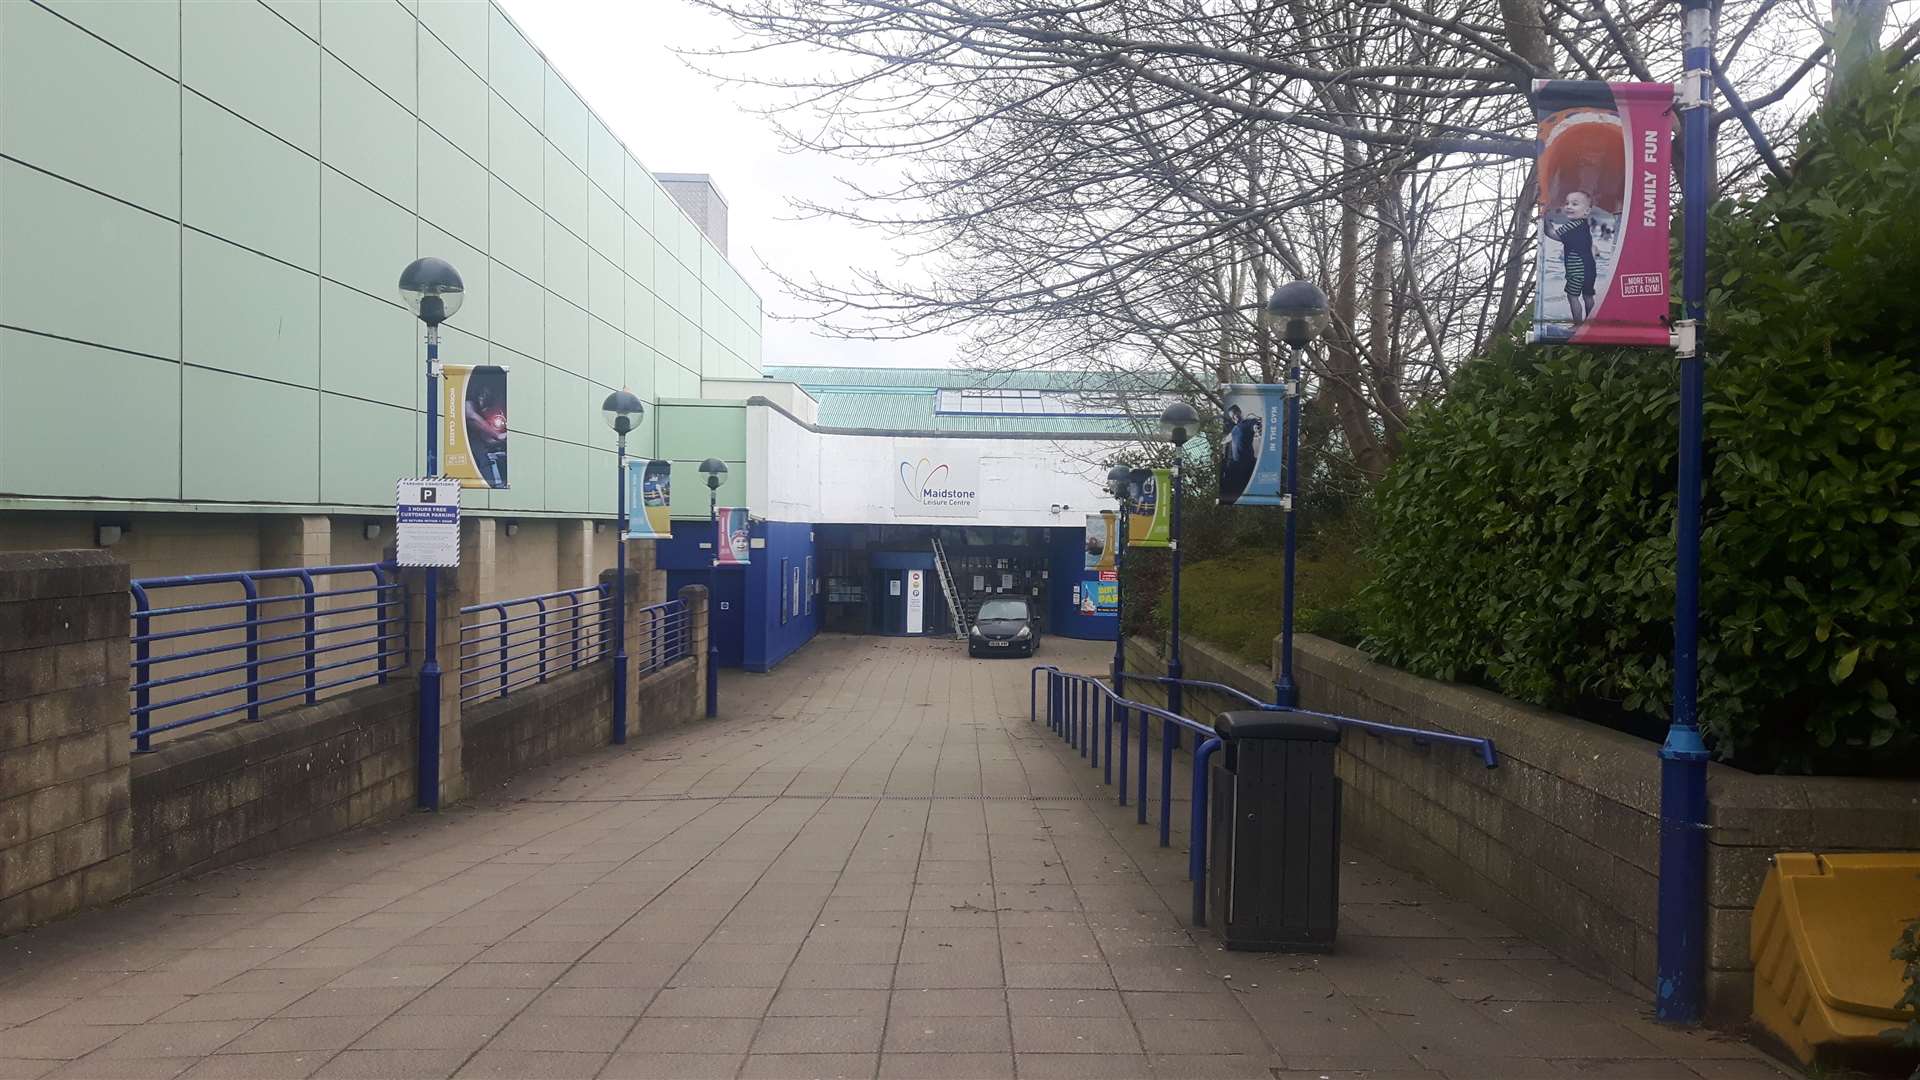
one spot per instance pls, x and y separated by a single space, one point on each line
1274 885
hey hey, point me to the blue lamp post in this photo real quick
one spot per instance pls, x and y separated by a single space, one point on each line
1300 311
1178 423
622 411
432 290
1118 479
716 474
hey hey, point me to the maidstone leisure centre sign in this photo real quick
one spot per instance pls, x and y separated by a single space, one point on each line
933 483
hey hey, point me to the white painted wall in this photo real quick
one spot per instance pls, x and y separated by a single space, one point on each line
850 479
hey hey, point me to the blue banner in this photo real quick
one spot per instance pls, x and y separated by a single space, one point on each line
1253 451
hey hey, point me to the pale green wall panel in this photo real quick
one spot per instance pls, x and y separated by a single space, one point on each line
53 394
452 98
566 263
462 26
473 317
365 135
637 254
639 370
566 475
515 317
526 394
149 29
369 348
566 124
516 231
606 291
364 447
244 185
458 346
606 159
247 313
690 501
637 193
516 73
57 234
608 355
567 396
515 151
703 431
566 340
80 108
639 307
453 189
603 466
365 241
248 439
606 223
376 39
249 59
566 191
303 14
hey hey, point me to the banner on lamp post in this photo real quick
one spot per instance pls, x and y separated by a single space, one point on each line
734 538
1253 453
473 408
649 491
1150 519
1602 275
1102 540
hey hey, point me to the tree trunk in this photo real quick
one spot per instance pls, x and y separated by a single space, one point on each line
1856 40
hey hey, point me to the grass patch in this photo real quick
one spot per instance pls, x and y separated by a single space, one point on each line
1235 601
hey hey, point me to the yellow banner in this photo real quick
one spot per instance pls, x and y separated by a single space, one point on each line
473 420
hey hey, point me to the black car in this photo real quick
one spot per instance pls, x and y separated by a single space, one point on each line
1005 625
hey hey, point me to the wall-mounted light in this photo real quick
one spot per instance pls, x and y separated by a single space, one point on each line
513 528
108 535
370 530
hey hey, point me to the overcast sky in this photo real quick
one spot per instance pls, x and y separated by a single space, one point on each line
618 55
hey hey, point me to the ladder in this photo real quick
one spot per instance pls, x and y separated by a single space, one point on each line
962 619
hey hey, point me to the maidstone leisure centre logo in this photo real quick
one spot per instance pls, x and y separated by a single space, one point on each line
929 485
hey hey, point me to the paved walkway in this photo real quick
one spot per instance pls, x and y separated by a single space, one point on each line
877 867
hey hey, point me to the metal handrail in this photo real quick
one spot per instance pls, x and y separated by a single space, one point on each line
566 630
1076 703
664 635
1420 736
384 633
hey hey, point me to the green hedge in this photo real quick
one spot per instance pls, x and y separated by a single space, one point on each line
1524 538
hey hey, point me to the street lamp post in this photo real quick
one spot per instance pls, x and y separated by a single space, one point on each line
432 290
622 411
1118 478
1299 309
1178 423
716 473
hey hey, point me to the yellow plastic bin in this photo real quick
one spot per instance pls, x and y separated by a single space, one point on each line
1823 933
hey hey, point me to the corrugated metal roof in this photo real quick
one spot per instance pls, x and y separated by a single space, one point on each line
903 399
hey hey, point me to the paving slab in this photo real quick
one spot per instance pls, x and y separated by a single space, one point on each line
872 865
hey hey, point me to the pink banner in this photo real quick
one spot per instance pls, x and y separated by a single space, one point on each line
1603 209
734 540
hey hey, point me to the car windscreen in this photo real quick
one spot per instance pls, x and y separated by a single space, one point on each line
1004 609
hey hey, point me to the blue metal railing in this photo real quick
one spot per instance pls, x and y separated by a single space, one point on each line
1083 710
1420 736
663 635
508 644
335 635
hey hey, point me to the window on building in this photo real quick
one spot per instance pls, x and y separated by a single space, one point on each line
994 401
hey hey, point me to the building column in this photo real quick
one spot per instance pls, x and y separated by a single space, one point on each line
696 599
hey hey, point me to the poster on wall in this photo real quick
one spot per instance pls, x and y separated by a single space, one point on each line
734 541
1253 451
1099 593
1602 226
1149 520
473 406
1103 538
649 490
916 601
796 592
813 585
934 482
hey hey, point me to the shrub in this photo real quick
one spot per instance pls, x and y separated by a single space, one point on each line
1525 534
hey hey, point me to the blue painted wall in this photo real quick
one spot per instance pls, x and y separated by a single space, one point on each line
749 632
1066 562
